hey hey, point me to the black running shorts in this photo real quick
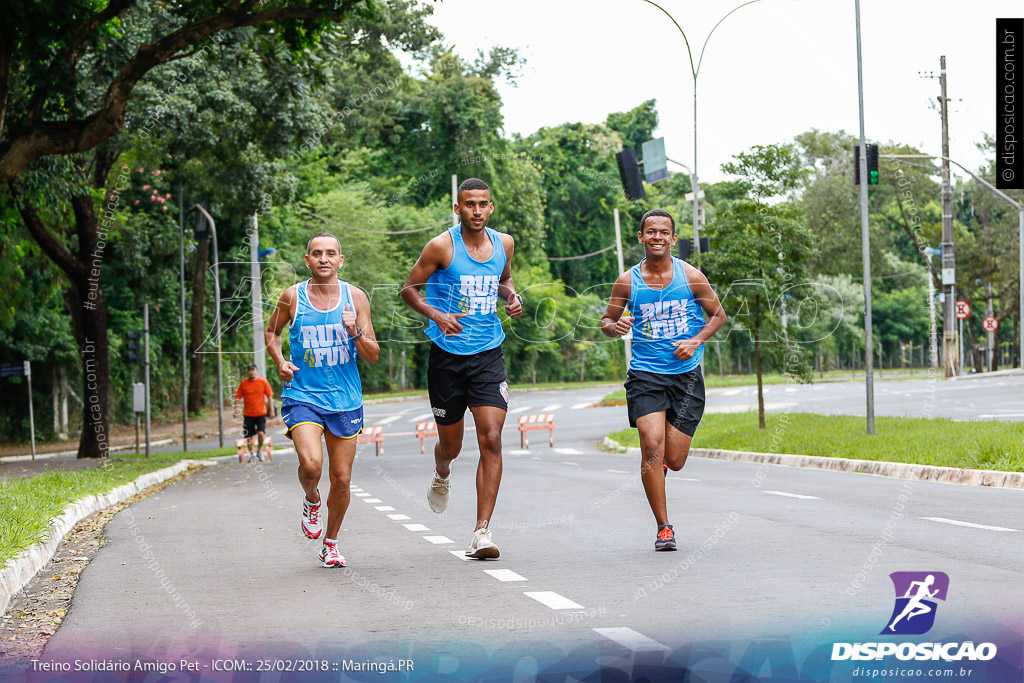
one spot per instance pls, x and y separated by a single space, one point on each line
252 425
680 396
456 382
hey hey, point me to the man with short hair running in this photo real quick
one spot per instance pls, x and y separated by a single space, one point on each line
465 270
323 396
257 405
664 385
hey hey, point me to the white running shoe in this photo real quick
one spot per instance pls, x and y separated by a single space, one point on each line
330 556
481 547
311 525
437 494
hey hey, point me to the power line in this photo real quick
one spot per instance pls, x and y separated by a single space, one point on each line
581 256
372 232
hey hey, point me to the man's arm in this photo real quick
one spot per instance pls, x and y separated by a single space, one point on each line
506 286
612 322
279 319
431 258
268 398
238 394
712 306
359 321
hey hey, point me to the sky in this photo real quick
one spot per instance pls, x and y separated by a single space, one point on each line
771 70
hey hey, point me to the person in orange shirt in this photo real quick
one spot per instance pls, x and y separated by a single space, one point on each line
258 404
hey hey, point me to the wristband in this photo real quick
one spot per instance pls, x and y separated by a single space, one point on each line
517 296
359 333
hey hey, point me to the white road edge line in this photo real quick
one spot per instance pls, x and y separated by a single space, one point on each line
632 640
972 525
792 495
505 575
553 600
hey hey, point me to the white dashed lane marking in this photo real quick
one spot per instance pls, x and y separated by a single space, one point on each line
438 540
389 420
632 640
384 508
581 406
504 575
972 525
519 410
553 600
568 451
363 494
551 408
399 517
792 495
420 418
416 527
372 500
683 479
617 471
461 554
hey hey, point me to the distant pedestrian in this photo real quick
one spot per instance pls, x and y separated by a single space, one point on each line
258 404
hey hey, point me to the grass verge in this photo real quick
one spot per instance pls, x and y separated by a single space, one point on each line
27 505
977 445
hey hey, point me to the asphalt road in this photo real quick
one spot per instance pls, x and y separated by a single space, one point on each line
767 554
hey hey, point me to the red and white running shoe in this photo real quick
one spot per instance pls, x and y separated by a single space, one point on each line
330 556
312 527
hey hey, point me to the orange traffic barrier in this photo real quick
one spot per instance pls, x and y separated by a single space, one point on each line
530 422
242 447
373 435
425 430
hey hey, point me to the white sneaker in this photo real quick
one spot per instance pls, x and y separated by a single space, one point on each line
330 556
311 525
437 494
481 547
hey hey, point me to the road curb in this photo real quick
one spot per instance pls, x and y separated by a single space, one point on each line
900 470
28 562
64 454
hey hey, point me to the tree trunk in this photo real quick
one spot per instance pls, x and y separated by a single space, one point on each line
195 384
94 350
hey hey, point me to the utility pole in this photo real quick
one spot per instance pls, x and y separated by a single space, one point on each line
990 337
948 257
865 240
627 339
455 198
145 337
258 343
184 344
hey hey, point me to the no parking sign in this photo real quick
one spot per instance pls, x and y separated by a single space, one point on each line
963 309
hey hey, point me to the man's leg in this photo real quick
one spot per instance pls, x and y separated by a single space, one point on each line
652 427
489 422
340 452
448 447
677 447
259 449
306 438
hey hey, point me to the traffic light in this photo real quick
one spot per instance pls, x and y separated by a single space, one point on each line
132 350
629 173
686 246
872 164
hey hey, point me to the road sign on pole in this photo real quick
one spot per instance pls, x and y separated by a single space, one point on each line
990 324
963 309
655 161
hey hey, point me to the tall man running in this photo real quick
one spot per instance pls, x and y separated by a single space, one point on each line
664 385
465 270
330 325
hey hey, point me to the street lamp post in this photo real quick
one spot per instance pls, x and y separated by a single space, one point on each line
216 287
869 360
695 70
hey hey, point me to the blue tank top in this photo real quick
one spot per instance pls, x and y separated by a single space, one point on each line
468 286
321 348
663 316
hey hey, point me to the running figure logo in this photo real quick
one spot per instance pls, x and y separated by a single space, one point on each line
916 592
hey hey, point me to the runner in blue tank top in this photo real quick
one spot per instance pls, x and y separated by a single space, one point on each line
664 385
323 397
465 270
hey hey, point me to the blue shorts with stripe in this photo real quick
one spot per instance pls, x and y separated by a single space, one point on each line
346 424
